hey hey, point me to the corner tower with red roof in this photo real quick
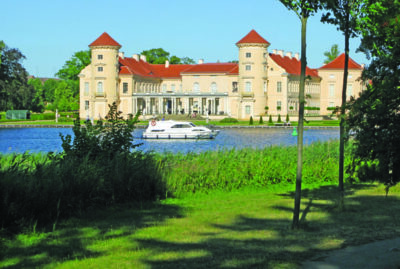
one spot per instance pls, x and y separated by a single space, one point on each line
101 85
252 80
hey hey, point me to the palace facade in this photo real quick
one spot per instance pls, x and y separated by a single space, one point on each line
261 83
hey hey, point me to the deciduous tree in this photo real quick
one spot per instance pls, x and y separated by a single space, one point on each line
160 56
375 115
303 9
344 14
15 92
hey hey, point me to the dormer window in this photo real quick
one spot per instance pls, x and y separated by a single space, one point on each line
100 57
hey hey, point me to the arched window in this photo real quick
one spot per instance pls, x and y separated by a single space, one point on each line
100 87
196 87
214 87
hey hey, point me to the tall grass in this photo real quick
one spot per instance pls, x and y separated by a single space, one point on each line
233 169
42 188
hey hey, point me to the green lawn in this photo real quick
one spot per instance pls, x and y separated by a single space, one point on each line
240 229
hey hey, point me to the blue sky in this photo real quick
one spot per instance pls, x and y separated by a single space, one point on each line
48 32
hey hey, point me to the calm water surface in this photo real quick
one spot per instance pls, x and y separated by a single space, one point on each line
48 139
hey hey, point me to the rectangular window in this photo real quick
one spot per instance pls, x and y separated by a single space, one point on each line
248 86
247 110
279 86
331 104
248 67
100 56
265 86
279 104
234 86
164 87
86 88
173 87
248 54
331 76
100 69
331 90
349 90
86 105
125 87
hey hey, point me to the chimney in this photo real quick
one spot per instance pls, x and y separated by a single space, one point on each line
136 57
289 54
166 64
363 66
201 61
280 52
274 51
297 56
143 58
121 54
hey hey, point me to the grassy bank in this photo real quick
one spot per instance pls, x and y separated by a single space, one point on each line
248 228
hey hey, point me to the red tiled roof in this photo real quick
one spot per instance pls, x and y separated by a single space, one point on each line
228 68
338 63
140 67
253 37
105 40
173 71
292 65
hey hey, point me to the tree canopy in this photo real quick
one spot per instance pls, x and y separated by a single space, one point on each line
15 92
375 115
160 56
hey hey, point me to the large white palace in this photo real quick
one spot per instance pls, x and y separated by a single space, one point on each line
261 83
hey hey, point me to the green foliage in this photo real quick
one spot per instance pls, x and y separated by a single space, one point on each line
160 56
374 116
279 118
332 54
234 169
15 92
270 120
97 169
261 120
74 66
287 118
311 108
229 120
251 120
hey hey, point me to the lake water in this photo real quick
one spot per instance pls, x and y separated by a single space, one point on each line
48 139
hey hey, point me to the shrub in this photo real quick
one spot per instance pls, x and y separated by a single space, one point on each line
97 169
261 120
229 120
270 120
287 118
279 118
251 120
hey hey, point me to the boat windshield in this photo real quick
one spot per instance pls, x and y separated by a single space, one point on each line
181 126
192 124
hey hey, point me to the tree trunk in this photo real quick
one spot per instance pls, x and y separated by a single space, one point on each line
343 109
297 197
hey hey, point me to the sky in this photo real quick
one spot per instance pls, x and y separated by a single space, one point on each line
49 32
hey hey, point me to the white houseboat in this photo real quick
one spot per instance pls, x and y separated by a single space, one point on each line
177 130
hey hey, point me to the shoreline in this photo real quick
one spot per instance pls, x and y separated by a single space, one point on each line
2 126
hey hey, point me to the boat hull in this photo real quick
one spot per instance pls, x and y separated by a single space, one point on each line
211 135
